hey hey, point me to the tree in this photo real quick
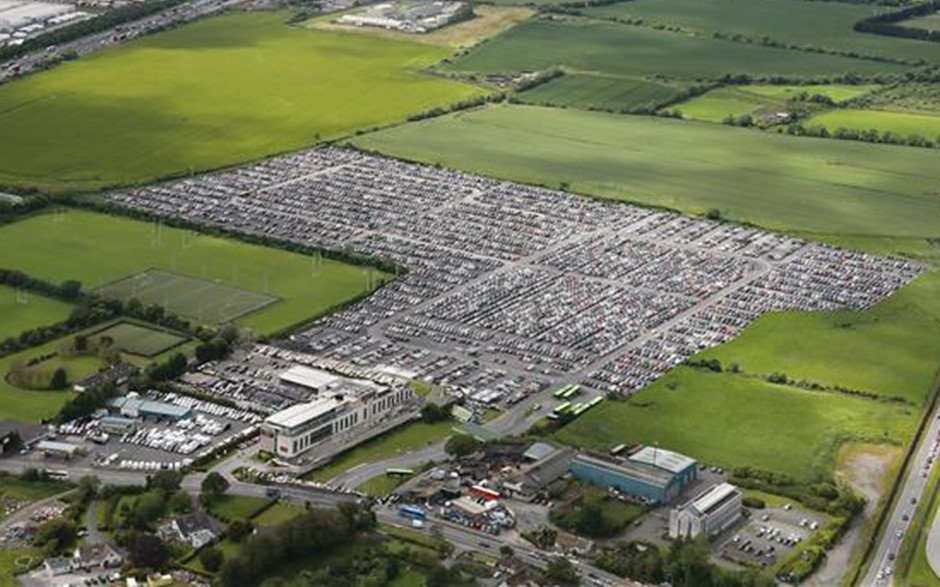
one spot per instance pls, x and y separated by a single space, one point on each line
211 559
180 502
148 551
506 550
58 534
461 445
167 481
239 529
213 487
562 572
60 379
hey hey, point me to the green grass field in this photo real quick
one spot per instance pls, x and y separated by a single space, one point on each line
720 103
734 421
21 311
835 92
201 300
237 507
139 339
820 24
33 406
97 249
899 123
402 439
220 91
596 91
17 560
277 514
777 181
594 46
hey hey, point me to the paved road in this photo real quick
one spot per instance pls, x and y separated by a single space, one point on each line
881 570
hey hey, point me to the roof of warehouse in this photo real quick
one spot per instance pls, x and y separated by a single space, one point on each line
663 459
308 377
714 497
52 445
637 470
151 407
539 451
297 415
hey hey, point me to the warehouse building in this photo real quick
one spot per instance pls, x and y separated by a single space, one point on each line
710 513
131 406
650 478
348 407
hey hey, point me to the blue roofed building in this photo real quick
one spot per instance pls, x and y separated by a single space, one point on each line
650 475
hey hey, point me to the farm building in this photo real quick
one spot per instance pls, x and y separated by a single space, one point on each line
710 513
654 483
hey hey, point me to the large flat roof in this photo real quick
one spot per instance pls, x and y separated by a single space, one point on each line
297 415
663 459
308 377
637 470
714 497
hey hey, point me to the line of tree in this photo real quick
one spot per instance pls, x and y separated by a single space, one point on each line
886 24
685 563
863 135
67 291
100 23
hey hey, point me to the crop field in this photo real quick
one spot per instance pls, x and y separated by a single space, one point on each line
796 22
594 46
835 92
595 91
202 300
733 420
900 123
97 249
138 339
930 22
188 99
777 181
21 311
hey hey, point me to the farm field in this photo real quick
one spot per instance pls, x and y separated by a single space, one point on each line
25 311
595 91
138 339
616 49
97 249
732 420
718 104
900 123
849 348
402 439
187 99
796 22
776 181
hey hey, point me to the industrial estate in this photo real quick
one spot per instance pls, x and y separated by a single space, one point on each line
424 293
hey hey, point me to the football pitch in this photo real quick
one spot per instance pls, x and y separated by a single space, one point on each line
205 301
258 287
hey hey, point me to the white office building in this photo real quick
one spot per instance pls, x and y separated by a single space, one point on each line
341 407
710 513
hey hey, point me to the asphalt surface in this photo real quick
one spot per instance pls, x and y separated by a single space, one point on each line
881 570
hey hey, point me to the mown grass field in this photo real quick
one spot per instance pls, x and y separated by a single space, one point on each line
33 406
900 123
24 311
402 439
97 249
718 104
732 420
237 507
139 339
595 46
14 561
595 91
890 350
217 92
819 24
777 181
277 514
